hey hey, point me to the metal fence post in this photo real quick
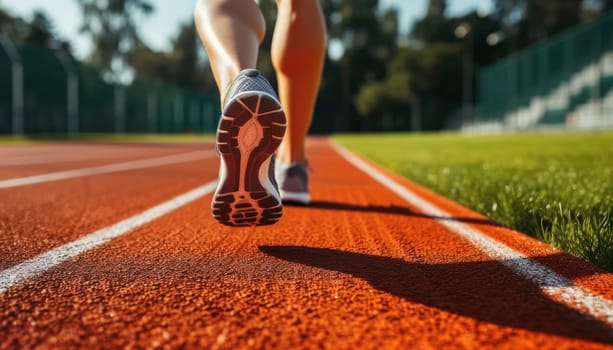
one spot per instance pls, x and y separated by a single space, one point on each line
207 116
194 124
72 93
152 111
120 108
17 84
178 118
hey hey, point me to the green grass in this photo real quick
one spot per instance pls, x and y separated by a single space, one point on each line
555 187
161 138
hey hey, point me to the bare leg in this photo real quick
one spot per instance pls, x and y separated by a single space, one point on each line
298 49
231 31
252 122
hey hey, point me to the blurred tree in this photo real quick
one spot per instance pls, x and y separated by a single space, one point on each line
428 76
425 76
151 64
606 5
181 66
422 86
368 42
436 8
11 27
39 31
528 21
111 24
187 70
434 26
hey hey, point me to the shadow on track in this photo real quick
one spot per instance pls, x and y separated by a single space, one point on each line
393 209
472 289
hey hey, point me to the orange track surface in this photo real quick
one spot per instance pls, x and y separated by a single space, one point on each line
359 268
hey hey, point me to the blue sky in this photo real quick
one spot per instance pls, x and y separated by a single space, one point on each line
159 29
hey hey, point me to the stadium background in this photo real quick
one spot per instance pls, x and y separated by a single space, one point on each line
476 72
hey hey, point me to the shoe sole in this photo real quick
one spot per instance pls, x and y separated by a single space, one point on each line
250 131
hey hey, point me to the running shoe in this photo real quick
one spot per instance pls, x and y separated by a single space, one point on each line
249 132
293 182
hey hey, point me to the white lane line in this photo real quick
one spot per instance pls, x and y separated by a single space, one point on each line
105 169
54 257
553 285
68 156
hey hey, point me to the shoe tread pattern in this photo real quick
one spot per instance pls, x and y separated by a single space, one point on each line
241 200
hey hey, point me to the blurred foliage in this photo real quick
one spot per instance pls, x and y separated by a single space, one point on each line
427 69
38 31
368 42
112 27
181 66
424 74
375 71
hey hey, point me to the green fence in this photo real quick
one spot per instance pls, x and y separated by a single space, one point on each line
566 80
46 92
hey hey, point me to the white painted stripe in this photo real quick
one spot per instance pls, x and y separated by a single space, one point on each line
68 156
54 257
105 169
553 285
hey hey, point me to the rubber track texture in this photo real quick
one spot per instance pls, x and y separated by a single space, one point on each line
359 268
250 131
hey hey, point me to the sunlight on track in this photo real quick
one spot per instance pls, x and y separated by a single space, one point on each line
553 285
69 156
105 169
45 261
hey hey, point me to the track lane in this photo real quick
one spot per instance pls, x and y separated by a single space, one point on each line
359 268
48 260
553 284
29 160
37 218
578 271
36 149
107 169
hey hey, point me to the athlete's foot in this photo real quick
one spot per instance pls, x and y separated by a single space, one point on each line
250 130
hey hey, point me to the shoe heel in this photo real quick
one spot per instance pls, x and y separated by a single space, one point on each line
250 131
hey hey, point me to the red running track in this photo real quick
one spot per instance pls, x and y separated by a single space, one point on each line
364 266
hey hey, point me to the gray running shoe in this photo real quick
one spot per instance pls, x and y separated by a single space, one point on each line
251 128
293 180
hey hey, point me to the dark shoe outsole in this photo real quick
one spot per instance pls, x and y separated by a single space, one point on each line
251 129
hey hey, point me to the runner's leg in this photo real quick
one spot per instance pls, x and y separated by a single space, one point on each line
231 31
252 124
298 49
